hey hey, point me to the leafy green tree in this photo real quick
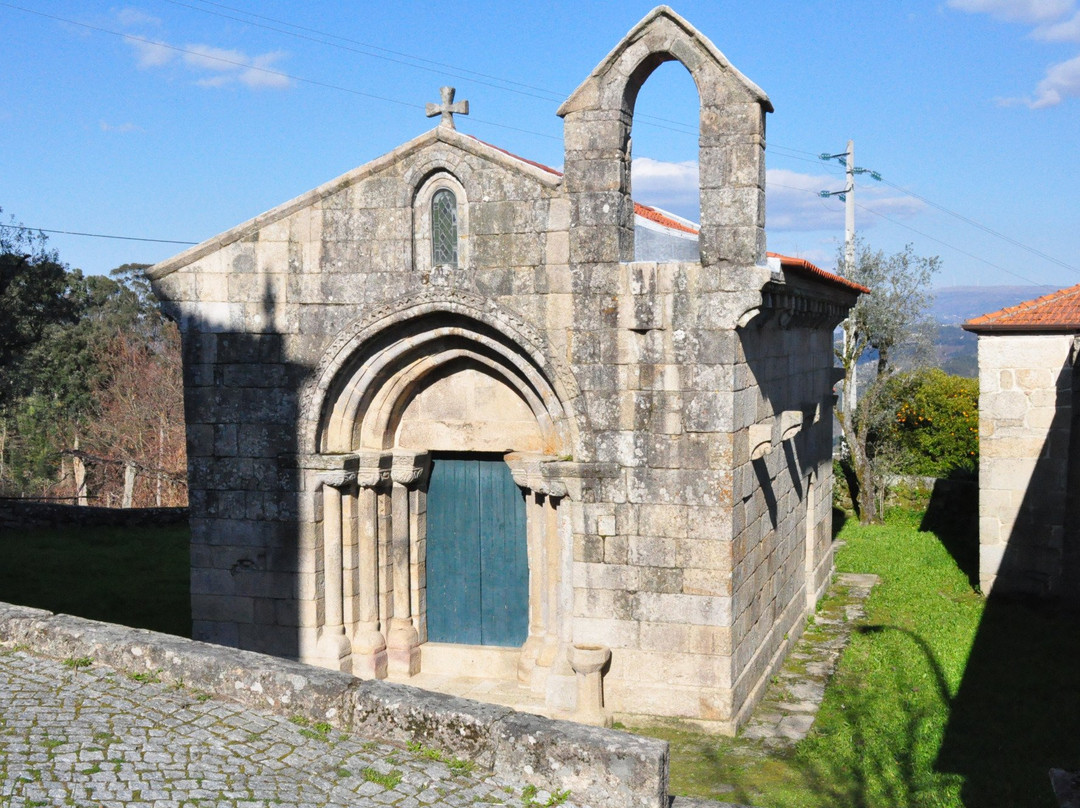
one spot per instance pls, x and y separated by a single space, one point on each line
59 330
893 320
34 295
935 423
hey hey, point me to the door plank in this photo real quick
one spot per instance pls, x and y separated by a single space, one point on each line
453 553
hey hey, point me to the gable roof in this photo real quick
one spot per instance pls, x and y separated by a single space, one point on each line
1057 311
546 174
444 134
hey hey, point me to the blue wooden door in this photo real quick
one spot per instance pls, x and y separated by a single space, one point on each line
477 565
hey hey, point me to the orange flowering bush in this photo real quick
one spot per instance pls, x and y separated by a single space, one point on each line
935 426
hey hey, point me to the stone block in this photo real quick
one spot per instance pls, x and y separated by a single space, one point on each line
222 608
670 667
677 637
662 520
606 631
695 610
606 576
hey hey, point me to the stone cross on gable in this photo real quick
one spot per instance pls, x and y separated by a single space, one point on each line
447 108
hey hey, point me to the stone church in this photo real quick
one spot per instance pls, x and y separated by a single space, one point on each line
444 415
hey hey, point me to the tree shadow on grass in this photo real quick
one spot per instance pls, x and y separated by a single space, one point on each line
872 746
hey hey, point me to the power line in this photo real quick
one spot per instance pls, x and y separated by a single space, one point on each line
984 228
443 69
264 70
919 232
676 127
950 246
95 235
443 65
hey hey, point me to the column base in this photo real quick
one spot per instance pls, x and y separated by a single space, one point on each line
334 651
369 655
403 650
370 666
530 651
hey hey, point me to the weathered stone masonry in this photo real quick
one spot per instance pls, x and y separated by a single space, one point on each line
667 423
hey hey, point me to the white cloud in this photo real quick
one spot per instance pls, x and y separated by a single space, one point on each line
671 186
1062 81
121 128
152 54
207 57
794 204
792 199
1029 11
258 74
1065 31
227 66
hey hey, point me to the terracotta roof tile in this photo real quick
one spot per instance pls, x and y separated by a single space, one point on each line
1057 311
653 215
803 267
641 210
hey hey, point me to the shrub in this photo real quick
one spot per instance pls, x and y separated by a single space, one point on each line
935 425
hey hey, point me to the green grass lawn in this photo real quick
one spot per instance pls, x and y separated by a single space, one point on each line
134 576
943 698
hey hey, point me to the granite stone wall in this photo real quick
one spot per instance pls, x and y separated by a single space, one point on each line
677 471
1026 435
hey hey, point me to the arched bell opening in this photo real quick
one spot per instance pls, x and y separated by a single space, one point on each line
443 522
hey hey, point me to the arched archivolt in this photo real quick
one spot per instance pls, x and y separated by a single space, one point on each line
374 368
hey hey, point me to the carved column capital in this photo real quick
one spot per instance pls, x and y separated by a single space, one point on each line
409 468
373 469
335 470
338 479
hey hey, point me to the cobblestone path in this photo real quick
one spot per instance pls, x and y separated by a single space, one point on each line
73 734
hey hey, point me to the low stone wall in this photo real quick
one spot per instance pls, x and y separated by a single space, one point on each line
17 513
600 767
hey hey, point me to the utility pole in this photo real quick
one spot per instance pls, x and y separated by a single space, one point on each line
848 196
849 270
849 212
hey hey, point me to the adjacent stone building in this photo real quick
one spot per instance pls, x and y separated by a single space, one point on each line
1029 447
443 416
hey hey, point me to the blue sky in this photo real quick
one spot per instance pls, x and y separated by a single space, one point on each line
204 115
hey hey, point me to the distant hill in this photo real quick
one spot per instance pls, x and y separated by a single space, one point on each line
953 305
956 304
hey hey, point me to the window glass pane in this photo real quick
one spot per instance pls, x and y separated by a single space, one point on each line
444 229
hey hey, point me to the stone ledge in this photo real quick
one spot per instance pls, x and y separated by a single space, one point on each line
600 767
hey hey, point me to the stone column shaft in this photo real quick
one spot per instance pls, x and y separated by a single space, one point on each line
369 645
403 640
335 649
332 560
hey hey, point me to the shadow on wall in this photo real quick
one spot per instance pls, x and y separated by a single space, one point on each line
1017 711
241 405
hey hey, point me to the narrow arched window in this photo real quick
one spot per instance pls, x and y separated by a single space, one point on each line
444 228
